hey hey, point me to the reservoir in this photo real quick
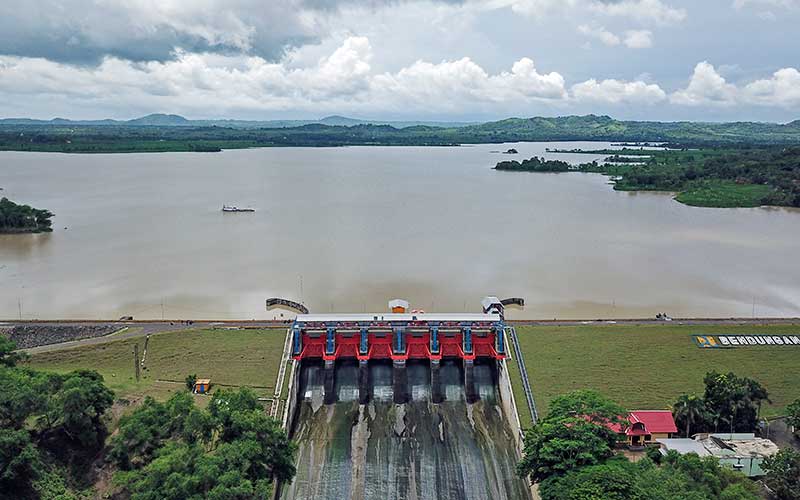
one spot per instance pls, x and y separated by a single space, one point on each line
346 229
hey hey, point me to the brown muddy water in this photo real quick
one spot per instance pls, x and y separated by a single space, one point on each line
417 450
346 229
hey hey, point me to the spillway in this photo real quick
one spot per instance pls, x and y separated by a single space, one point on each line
417 449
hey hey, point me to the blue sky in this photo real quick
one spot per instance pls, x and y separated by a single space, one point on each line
401 59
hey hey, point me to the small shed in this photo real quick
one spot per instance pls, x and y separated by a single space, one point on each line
398 305
202 386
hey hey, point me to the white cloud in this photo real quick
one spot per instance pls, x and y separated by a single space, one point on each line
740 4
642 10
638 39
600 33
452 84
706 86
616 92
203 83
783 89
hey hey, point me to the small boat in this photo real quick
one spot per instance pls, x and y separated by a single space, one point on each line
228 208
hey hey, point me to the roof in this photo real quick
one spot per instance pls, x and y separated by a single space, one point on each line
202 381
654 422
737 445
683 446
398 303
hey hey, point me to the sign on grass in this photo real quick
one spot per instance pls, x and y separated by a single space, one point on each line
720 341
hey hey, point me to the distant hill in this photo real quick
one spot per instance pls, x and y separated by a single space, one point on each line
168 120
160 120
175 133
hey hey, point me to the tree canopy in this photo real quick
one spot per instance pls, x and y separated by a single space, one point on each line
23 218
729 403
680 477
174 450
783 474
575 433
46 420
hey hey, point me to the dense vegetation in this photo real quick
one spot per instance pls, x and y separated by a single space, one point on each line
54 428
150 136
570 453
783 474
51 428
536 164
23 218
729 404
713 177
174 450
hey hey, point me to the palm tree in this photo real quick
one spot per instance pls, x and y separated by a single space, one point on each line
691 410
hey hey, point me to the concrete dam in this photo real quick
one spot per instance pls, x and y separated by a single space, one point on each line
402 406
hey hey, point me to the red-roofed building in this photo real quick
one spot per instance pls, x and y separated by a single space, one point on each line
645 426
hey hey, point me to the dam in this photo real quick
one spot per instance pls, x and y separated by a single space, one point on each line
402 405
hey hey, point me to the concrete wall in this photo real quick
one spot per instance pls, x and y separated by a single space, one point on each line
290 408
508 402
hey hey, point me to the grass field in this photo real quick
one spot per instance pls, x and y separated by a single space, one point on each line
648 367
724 194
228 357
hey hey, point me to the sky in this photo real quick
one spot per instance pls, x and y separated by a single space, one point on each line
476 60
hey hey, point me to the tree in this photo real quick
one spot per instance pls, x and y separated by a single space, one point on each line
783 474
8 356
78 407
733 400
690 411
19 460
190 380
793 416
575 433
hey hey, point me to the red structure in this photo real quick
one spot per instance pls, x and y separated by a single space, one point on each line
398 337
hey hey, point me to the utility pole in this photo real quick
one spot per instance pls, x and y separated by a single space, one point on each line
19 307
754 306
162 308
301 289
136 360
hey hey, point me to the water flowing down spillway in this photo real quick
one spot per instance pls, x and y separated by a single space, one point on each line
416 450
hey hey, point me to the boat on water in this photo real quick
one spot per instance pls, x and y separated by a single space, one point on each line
229 208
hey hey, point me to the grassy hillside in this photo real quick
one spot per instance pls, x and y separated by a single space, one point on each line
228 357
648 367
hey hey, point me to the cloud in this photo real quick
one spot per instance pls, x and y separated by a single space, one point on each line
706 86
633 39
206 82
638 39
783 89
600 33
616 92
642 10
740 4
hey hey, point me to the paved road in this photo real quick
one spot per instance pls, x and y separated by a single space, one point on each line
135 329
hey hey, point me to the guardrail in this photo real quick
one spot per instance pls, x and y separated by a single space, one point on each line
511 333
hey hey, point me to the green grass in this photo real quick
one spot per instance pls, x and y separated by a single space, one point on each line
648 367
724 194
227 357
